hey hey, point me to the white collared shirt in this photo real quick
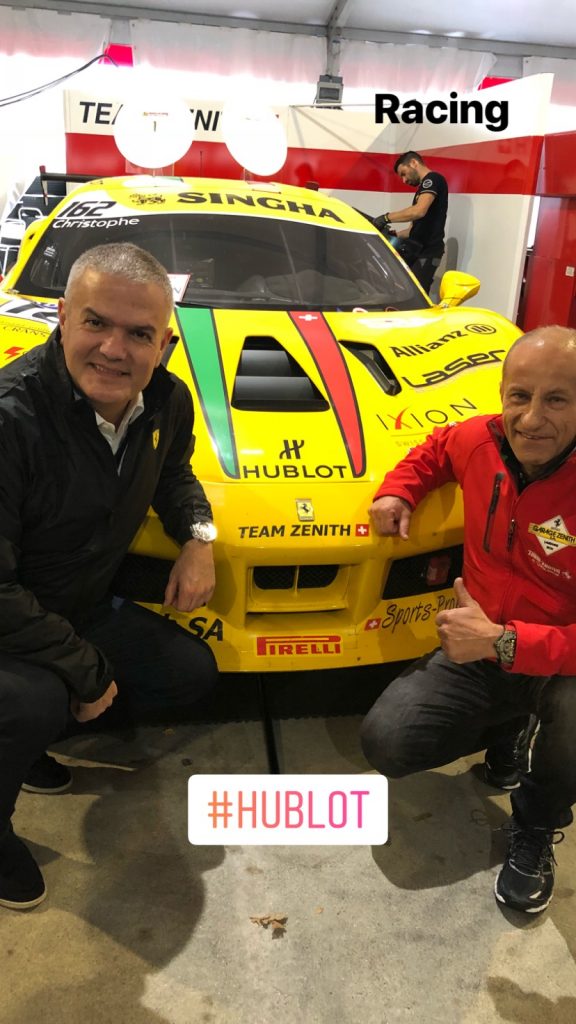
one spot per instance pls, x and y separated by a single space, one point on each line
116 436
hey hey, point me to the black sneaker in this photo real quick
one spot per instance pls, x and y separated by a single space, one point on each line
526 879
47 775
21 884
504 767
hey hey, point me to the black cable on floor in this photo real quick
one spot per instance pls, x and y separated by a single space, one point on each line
268 727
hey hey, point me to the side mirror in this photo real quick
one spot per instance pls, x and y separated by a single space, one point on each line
456 287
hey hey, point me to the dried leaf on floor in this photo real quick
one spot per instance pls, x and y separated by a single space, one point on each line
277 923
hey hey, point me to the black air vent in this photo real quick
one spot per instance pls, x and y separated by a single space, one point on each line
375 363
409 576
268 379
284 577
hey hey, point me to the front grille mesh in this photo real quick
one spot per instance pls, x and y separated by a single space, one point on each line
286 577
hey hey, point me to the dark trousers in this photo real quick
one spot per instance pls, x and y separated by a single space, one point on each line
159 668
437 711
424 268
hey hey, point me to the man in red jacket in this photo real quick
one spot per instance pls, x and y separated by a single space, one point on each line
509 650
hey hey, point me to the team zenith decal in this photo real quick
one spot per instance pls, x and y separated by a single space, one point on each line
456 366
304 530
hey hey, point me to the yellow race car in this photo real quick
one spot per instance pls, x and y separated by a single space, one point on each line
315 362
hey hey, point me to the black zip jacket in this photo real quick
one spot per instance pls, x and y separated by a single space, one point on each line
67 517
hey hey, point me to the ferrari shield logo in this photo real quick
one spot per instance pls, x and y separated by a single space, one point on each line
155 439
305 510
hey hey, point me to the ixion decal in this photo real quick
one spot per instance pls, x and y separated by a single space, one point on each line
456 366
407 420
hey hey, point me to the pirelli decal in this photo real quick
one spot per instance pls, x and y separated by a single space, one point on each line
299 645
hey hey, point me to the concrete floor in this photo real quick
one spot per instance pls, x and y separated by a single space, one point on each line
142 928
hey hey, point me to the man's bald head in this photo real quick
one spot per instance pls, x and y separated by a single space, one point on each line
547 340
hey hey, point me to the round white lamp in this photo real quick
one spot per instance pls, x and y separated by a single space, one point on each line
255 137
154 132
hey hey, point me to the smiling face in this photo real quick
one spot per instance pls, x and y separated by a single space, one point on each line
539 397
114 331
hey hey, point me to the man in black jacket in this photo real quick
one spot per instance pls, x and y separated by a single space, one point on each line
427 215
93 430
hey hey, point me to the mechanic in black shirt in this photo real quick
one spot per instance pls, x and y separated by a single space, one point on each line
93 430
427 215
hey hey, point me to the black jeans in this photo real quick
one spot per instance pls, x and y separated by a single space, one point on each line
159 667
424 268
437 711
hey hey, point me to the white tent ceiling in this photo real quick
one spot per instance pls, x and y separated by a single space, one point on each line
520 26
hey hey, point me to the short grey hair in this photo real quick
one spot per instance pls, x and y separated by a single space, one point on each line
125 260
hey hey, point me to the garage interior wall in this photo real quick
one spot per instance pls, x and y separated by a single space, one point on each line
38 46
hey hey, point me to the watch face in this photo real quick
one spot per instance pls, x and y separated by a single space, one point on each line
205 532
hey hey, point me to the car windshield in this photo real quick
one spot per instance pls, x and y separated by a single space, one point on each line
239 262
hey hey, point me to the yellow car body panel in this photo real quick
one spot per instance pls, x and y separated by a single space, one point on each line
301 408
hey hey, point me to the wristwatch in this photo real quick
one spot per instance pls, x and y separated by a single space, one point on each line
205 532
505 647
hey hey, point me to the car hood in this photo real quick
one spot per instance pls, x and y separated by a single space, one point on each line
286 396
341 396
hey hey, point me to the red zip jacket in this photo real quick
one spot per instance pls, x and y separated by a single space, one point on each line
519 545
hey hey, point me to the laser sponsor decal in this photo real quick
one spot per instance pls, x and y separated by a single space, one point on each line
240 201
553 535
454 110
456 366
299 645
406 420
